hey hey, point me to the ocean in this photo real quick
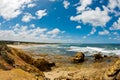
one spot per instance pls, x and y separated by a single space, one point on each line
71 49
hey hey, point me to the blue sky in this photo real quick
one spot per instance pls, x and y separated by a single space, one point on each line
76 21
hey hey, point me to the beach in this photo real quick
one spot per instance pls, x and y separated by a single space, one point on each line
66 69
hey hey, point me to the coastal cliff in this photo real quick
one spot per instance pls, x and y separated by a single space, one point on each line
16 62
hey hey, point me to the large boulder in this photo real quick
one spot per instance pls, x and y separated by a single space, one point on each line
98 56
43 65
79 57
113 73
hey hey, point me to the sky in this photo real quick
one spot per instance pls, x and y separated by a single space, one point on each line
64 21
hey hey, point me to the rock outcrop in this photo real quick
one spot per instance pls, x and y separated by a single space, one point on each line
17 74
43 65
11 58
98 56
113 73
79 57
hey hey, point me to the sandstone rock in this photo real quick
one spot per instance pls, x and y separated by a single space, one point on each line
97 56
79 57
43 65
113 73
11 58
40 63
17 74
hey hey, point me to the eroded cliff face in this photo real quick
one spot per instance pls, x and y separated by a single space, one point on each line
113 73
11 59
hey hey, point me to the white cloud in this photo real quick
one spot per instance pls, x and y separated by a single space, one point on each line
43 36
12 8
66 4
83 5
113 4
95 17
54 32
116 25
28 33
93 31
27 17
31 5
41 13
32 26
78 27
105 32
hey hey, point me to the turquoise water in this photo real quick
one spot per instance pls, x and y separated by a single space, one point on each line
71 49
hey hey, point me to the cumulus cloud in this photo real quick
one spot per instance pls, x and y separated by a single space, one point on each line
12 8
83 5
54 32
105 32
29 33
66 4
95 17
113 4
78 27
27 17
116 25
31 5
41 13
23 33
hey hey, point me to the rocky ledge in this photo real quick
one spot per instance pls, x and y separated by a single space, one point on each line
16 62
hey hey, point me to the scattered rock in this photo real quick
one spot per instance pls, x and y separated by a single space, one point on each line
43 65
105 56
79 57
113 73
98 56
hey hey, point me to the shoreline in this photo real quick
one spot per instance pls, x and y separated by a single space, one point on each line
65 69
22 46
